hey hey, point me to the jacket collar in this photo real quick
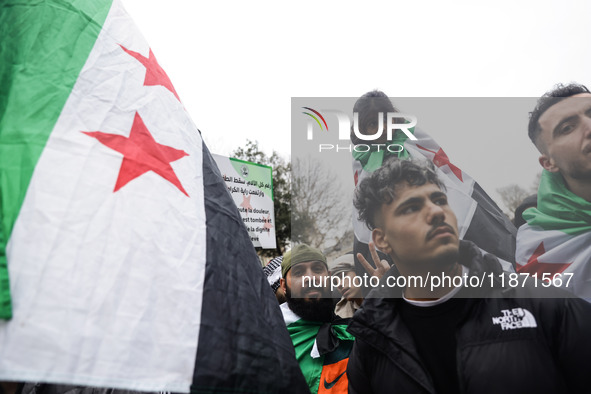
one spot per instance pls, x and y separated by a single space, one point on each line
378 312
377 323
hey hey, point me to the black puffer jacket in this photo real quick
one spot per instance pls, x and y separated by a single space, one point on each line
549 352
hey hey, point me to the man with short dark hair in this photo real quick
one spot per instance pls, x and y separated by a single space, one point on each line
322 344
555 244
560 127
479 331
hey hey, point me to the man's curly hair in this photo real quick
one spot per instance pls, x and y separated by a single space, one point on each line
380 187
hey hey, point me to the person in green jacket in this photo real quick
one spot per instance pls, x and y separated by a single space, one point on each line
322 344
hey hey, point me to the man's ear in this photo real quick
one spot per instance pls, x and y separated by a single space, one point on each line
547 163
379 239
282 284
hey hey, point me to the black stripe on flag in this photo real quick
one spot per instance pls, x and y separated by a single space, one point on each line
490 229
243 344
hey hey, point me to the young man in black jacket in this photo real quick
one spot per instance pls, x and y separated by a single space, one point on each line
446 318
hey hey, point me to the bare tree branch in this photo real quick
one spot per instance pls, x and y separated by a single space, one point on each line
320 214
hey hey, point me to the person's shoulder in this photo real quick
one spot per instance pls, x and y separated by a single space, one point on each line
538 297
376 314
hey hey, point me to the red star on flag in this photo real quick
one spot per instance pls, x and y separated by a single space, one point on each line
246 203
441 159
268 224
141 153
533 266
155 75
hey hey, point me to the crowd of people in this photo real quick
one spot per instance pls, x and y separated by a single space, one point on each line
444 316
438 313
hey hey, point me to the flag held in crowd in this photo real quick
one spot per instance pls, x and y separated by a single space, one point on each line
123 261
555 243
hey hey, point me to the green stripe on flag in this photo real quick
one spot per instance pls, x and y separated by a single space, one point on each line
303 335
559 208
44 45
372 159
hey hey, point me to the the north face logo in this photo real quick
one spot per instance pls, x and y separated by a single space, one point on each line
515 318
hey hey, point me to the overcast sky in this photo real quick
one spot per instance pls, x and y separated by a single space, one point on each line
236 64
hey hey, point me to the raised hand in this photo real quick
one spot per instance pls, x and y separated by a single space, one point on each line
381 265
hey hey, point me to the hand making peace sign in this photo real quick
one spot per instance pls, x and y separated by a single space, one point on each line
381 265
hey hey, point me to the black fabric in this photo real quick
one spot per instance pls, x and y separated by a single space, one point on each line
433 330
6 390
490 228
326 341
243 345
549 356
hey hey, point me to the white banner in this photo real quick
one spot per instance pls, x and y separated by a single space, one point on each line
251 187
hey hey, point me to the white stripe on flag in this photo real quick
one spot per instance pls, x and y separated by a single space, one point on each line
558 248
107 285
459 192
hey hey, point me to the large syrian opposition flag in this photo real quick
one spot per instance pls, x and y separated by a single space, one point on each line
124 262
480 220
556 240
